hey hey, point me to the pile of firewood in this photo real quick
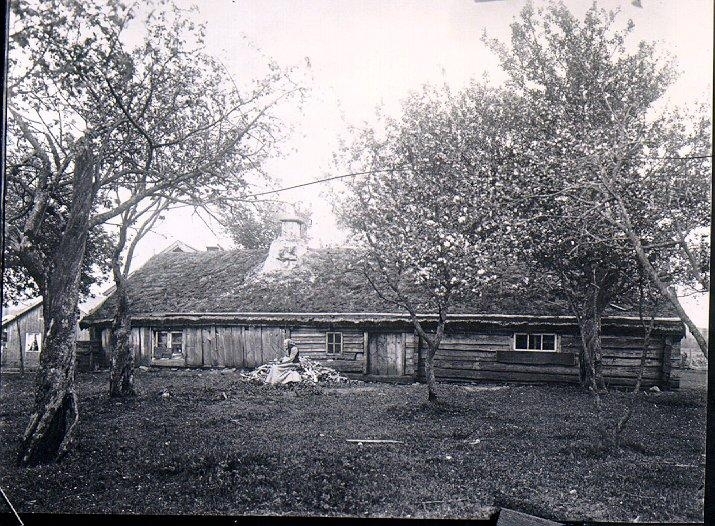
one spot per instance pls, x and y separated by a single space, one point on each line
309 372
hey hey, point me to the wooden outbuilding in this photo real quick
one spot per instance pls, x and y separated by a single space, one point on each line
22 330
233 308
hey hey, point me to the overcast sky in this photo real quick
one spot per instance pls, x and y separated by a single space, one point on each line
362 54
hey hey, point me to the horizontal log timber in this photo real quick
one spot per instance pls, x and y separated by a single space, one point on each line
464 375
508 367
632 353
617 381
472 347
626 342
466 355
322 349
536 357
478 339
321 341
632 372
344 367
630 361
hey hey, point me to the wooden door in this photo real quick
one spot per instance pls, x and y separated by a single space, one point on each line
386 354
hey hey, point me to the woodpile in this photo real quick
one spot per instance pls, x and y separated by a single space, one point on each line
309 371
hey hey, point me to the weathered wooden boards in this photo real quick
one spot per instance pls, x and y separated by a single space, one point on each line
465 357
391 353
216 346
312 344
461 357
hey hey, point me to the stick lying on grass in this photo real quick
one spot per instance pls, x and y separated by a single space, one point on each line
373 441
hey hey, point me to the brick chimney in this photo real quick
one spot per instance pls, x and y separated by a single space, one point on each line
289 246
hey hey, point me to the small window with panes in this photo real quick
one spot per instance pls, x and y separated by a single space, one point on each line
334 343
168 344
535 342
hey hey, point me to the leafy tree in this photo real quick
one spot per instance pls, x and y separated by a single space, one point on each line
600 171
424 212
253 225
97 127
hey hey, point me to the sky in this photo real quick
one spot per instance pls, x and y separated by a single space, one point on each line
357 55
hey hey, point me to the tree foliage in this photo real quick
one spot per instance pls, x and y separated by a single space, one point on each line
98 126
603 171
425 210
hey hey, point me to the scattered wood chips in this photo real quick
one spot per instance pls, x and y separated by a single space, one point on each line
309 372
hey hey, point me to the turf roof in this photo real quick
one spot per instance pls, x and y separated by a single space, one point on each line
324 281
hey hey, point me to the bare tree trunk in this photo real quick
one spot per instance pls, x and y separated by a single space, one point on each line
50 433
647 331
591 354
121 375
429 374
121 380
620 426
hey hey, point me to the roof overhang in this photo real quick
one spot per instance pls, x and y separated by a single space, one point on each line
662 324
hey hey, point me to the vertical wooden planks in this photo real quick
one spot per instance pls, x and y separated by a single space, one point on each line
254 345
208 344
382 353
239 346
271 343
147 342
365 353
375 360
221 345
411 342
402 353
193 347
391 350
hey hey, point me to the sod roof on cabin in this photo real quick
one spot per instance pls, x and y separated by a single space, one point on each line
324 281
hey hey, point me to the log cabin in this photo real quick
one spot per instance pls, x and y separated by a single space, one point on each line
233 308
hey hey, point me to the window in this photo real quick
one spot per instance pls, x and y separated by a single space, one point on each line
534 342
168 344
334 342
33 341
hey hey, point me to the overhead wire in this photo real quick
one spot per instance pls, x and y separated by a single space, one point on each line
343 176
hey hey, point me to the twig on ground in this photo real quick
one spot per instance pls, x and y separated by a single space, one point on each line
374 441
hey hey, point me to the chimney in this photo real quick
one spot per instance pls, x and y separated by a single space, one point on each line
290 245
292 226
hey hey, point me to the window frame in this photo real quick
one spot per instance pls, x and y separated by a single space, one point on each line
557 342
328 343
38 337
169 343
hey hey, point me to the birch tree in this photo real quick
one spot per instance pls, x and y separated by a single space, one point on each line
96 127
424 211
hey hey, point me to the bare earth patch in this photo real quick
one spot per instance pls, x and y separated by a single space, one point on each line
217 445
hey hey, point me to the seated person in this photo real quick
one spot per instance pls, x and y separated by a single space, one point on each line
285 371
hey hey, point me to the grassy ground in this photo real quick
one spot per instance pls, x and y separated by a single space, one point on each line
220 446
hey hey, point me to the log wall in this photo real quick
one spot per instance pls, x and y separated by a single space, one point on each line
311 342
487 355
475 356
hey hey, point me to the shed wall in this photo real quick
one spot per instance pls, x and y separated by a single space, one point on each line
29 322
